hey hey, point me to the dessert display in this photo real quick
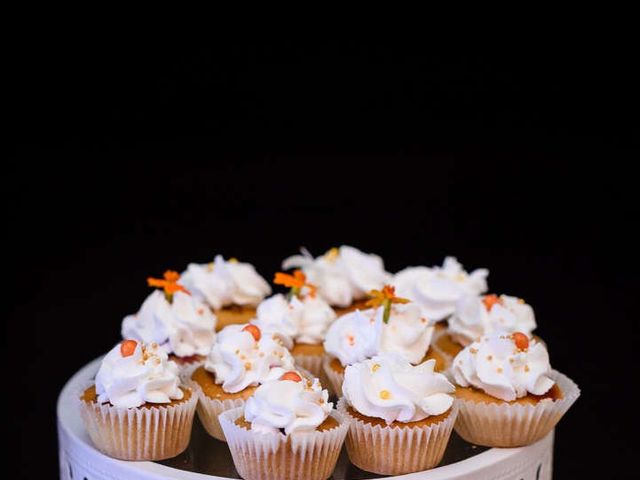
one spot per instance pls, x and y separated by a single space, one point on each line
137 408
405 358
476 316
438 289
508 394
400 415
287 430
390 324
232 289
343 275
241 359
172 318
301 319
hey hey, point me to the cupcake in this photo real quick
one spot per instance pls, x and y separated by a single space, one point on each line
137 410
241 359
287 430
400 416
437 290
230 288
476 316
173 319
343 275
508 394
392 325
301 319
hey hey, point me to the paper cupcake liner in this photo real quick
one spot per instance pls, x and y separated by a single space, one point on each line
154 433
514 425
209 408
335 378
259 456
311 363
393 450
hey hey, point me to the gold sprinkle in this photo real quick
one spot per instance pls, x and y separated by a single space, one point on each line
489 357
233 260
521 300
375 367
247 366
332 254
385 394
511 360
243 357
499 370
473 350
154 345
423 320
237 351
156 361
261 354
210 266
526 368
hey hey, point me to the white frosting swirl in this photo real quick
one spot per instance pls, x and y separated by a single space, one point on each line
183 327
473 318
362 334
438 289
289 405
342 275
146 376
495 365
303 320
223 283
389 387
238 361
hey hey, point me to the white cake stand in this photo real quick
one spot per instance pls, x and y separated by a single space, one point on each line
79 460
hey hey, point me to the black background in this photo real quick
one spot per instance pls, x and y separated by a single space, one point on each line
129 161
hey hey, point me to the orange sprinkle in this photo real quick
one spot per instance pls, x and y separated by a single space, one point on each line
351 340
127 347
521 340
254 330
385 394
490 300
291 376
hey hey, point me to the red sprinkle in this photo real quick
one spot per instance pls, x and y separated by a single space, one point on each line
254 331
521 340
292 376
127 347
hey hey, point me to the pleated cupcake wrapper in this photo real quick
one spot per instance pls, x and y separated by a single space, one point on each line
514 425
260 456
393 450
311 363
155 433
209 408
335 378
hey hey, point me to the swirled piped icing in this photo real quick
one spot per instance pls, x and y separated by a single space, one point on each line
389 387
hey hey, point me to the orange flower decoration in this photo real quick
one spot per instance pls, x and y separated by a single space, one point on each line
385 297
295 282
490 300
169 283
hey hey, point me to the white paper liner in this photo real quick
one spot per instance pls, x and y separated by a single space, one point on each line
335 378
514 425
155 433
259 456
209 408
311 363
393 450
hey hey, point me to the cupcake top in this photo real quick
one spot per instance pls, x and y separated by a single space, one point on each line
342 275
225 282
291 403
393 327
504 366
437 289
133 374
389 387
242 356
477 316
301 316
173 319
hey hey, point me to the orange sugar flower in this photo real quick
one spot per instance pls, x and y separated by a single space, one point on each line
169 283
385 297
490 300
295 282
